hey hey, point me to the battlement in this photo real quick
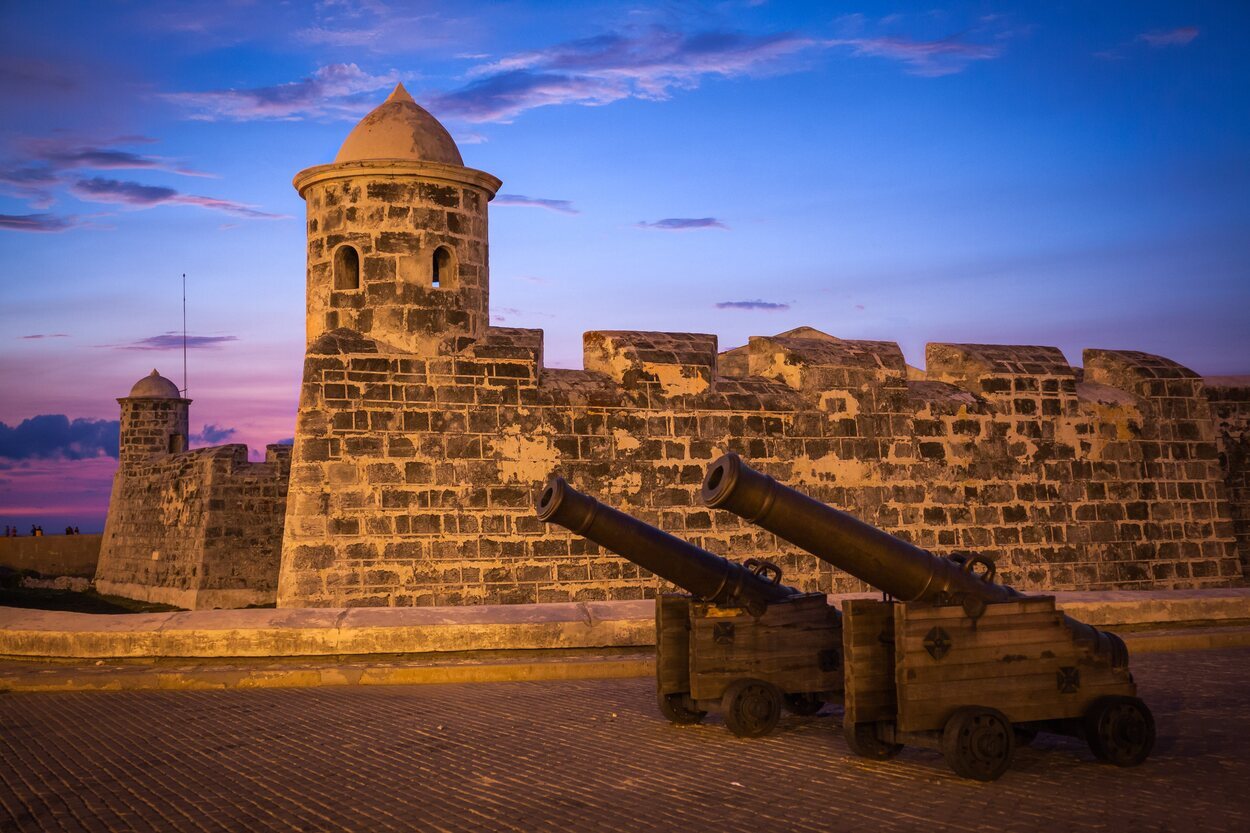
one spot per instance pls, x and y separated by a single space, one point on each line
423 431
197 529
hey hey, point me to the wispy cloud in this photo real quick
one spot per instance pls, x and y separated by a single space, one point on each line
771 306
682 224
138 195
173 341
333 91
212 435
649 63
54 436
62 154
45 335
562 206
43 223
40 168
17 72
932 58
1181 36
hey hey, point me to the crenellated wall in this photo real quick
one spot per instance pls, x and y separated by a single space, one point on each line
413 475
198 529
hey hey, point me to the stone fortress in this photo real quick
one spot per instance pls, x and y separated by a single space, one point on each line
191 528
424 432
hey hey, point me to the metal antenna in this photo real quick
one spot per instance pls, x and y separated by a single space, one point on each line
184 335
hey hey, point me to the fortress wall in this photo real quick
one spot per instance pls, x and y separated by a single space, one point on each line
1230 406
413 477
199 529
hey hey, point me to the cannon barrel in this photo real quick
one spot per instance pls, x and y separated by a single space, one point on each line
889 564
704 575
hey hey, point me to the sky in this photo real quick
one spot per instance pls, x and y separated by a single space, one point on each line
1063 173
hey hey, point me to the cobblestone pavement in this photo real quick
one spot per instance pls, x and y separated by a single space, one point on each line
583 756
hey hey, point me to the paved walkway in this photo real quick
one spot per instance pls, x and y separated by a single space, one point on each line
588 755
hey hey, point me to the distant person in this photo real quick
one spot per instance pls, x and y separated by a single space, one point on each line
39 531
69 530
76 532
32 530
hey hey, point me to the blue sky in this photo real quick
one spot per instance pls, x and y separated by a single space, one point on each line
1066 173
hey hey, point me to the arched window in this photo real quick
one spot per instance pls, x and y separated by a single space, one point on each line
442 270
346 268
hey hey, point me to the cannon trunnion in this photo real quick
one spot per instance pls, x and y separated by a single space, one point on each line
955 662
738 642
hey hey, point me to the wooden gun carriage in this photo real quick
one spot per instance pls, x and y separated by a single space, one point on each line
739 642
950 660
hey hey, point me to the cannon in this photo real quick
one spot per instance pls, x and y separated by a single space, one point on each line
739 641
949 659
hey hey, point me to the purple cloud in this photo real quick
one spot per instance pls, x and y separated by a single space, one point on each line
174 340
334 90
61 154
1181 36
138 195
647 64
55 436
772 306
562 206
212 435
46 335
931 59
43 162
682 224
37 222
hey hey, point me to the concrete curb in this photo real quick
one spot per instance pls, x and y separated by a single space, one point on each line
305 632
170 676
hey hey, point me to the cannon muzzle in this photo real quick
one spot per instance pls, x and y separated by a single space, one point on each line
707 576
890 564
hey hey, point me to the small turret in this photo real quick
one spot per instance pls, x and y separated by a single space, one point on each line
397 245
154 420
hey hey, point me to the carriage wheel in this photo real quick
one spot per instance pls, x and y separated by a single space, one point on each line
977 743
1120 730
751 707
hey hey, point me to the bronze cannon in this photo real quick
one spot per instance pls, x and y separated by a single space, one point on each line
950 659
740 642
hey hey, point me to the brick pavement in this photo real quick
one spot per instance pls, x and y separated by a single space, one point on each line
582 756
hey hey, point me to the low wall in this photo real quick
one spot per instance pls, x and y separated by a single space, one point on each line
52 555
435 630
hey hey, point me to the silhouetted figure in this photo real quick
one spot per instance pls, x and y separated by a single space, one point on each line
76 532
69 530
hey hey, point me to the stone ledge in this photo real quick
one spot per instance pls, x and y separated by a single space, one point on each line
294 632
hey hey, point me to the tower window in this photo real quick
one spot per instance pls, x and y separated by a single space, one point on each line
177 443
442 268
346 268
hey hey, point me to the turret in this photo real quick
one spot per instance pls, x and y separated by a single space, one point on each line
154 420
397 234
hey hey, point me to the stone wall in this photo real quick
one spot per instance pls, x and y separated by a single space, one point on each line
198 529
414 473
52 555
1230 406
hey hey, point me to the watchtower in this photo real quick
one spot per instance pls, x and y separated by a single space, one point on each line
154 420
397 237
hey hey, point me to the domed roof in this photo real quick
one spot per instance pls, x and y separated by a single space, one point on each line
399 129
155 386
